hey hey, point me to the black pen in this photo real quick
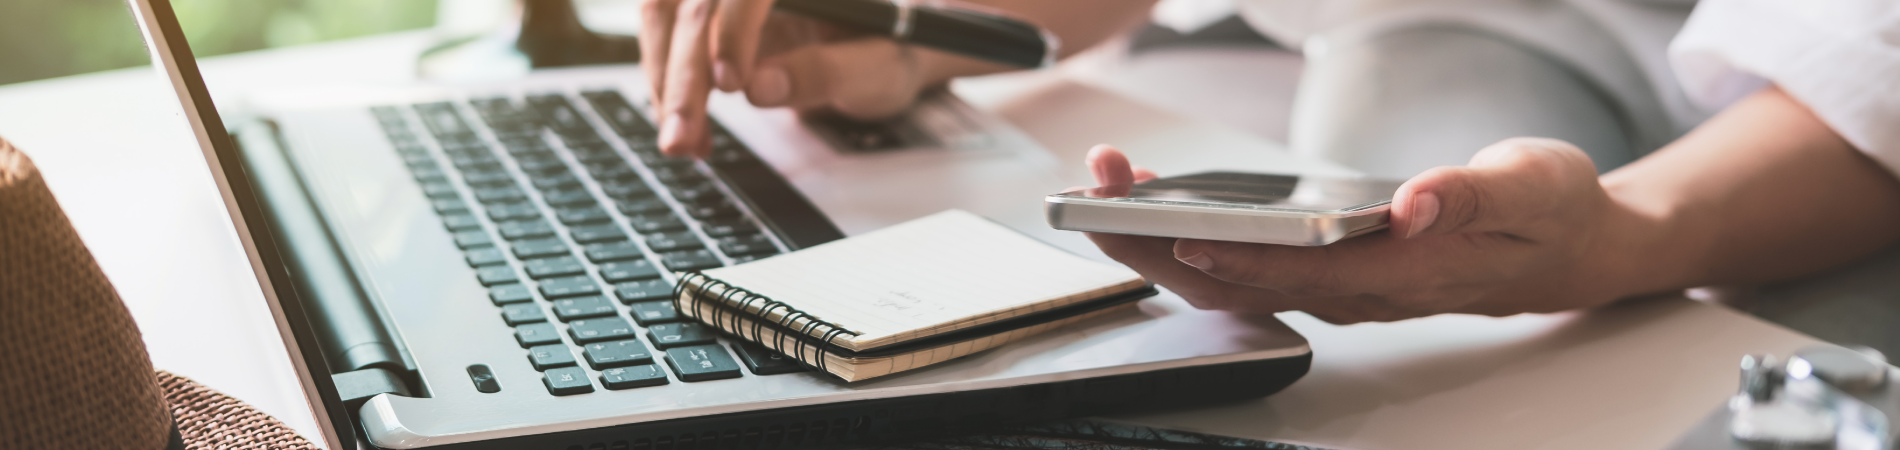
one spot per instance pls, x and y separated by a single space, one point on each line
966 32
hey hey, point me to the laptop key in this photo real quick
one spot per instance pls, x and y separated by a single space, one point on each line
493 275
550 356
461 222
449 206
638 269
645 290
701 363
569 197
495 176
569 309
484 256
642 206
514 211
568 287
510 293
431 174
717 210
742 259
439 190
523 229
601 329
764 361
718 229
690 260
553 267
535 334
520 313
532 165
472 239
753 244
582 216
632 377
561 180
704 193
628 190
567 381
621 353
507 194
539 248
649 313
613 251
654 223
589 234
675 241
670 335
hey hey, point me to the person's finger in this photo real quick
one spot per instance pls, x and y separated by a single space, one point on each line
866 78
1506 185
683 128
1109 166
1142 173
737 27
1152 258
656 18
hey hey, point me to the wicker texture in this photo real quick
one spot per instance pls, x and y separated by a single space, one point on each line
72 364
211 420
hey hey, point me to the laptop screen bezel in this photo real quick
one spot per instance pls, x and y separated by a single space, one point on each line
172 55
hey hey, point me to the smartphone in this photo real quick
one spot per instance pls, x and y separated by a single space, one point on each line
1231 206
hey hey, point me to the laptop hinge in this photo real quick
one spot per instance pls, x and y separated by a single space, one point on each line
356 387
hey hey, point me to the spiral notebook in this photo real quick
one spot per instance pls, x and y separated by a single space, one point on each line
908 296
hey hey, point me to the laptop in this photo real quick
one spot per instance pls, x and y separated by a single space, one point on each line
489 266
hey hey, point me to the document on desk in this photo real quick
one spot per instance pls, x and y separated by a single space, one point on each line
915 294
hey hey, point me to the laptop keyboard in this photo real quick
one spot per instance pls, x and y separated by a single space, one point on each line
577 233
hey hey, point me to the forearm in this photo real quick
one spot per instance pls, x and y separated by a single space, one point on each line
1079 26
1764 191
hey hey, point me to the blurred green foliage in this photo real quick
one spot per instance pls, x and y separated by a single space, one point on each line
52 38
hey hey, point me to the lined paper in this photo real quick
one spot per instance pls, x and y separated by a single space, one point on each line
940 273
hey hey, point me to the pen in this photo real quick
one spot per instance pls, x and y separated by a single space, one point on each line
966 32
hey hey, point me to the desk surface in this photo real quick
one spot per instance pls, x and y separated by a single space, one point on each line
130 176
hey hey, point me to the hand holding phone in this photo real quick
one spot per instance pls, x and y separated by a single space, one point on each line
1231 206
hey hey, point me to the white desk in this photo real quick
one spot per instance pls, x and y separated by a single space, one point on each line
1634 376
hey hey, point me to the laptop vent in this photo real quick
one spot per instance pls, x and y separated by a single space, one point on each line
779 435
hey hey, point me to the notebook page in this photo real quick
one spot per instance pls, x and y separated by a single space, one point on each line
939 273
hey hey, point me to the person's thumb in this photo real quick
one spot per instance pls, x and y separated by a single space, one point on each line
862 79
1507 185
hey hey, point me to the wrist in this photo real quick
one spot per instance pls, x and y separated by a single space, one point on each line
1652 244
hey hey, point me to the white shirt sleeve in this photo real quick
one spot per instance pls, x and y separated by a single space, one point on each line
1839 57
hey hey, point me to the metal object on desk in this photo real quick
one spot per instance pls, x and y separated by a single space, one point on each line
1823 397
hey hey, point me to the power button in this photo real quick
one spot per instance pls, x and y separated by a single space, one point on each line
484 379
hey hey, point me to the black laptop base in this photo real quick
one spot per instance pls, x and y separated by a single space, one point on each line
896 420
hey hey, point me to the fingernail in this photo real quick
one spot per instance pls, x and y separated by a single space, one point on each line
770 86
1199 261
670 132
723 77
1424 212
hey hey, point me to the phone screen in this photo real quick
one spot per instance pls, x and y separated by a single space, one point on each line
1255 191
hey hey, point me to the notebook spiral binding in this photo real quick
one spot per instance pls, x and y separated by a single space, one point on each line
730 296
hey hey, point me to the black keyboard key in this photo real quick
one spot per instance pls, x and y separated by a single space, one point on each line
644 290
558 114
690 260
567 381
703 193
655 223
670 335
632 377
442 119
524 229
588 234
754 244
732 155
642 206
569 309
461 222
582 216
494 176
621 353
449 206
431 174
484 256
439 190
679 177
472 239
613 251
719 229
674 241
613 172
514 211
520 313
649 313
763 361
638 269
553 267
702 363
505 194
535 334
539 248
742 259
628 190
602 329
484 379
546 357
561 180
536 166
619 114
493 275
714 211
510 293
569 197
568 287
